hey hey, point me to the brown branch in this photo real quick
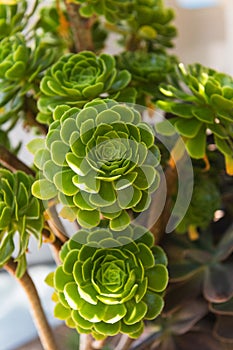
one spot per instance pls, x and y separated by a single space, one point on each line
124 342
12 163
44 330
81 28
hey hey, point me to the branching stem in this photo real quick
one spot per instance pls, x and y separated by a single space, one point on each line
44 330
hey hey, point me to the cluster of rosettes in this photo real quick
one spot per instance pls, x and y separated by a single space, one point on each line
112 10
20 212
108 284
12 18
147 19
78 78
148 70
201 99
100 161
20 68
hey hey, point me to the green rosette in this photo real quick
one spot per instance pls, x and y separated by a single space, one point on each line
148 70
102 290
78 78
12 18
99 162
20 212
201 99
20 69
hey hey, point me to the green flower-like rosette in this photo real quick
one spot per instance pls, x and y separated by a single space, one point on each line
12 18
201 98
205 201
148 70
19 212
106 290
100 161
78 78
20 69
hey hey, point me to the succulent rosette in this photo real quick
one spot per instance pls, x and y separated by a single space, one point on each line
201 98
20 69
12 17
205 201
99 161
148 70
20 212
78 78
105 291
113 10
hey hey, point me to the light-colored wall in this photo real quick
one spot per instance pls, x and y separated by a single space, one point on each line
205 35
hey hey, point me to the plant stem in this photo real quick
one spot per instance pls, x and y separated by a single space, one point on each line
81 28
44 330
124 343
12 163
85 342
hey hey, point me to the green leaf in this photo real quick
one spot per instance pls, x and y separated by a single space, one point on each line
145 255
221 103
159 255
21 266
44 189
182 110
87 218
222 145
204 114
72 296
6 249
188 128
107 328
61 279
114 313
35 145
121 222
49 279
61 312
157 278
135 312
64 182
196 146
155 305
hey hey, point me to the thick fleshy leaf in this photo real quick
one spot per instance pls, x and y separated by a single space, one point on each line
61 312
44 189
223 328
157 278
218 283
155 305
135 312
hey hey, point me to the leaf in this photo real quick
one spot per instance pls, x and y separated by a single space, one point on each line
6 248
157 278
87 218
44 189
107 328
204 114
218 283
135 312
21 266
61 312
188 128
121 222
223 328
196 146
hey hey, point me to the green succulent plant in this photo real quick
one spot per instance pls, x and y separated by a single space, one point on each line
145 19
100 161
19 212
204 202
184 329
113 10
78 78
148 70
201 98
12 18
205 262
20 71
107 283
